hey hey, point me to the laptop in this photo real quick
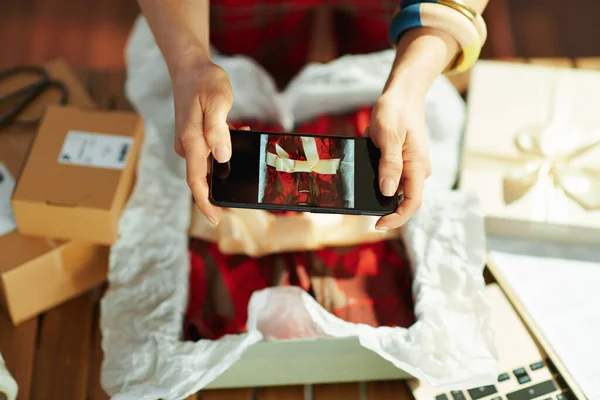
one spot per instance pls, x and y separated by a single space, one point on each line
525 371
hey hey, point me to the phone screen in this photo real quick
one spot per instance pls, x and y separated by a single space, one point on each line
317 173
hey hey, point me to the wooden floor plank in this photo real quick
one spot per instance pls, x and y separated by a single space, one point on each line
388 390
61 368
281 393
99 88
118 79
226 394
95 391
345 391
17 345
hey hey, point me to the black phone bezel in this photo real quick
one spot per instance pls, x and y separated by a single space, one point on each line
285 207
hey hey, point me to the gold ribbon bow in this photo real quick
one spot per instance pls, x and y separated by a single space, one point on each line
553 154
282 162
558 169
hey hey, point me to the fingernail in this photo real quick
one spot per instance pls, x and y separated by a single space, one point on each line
214 221
222 153
382 228
388 187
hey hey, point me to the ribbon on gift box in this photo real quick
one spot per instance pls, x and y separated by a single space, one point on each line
282 162
553 154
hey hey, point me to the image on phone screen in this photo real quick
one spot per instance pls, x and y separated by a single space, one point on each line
317 173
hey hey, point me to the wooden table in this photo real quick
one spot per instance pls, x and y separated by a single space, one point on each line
58 355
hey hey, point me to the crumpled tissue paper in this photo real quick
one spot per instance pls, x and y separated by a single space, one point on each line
450 346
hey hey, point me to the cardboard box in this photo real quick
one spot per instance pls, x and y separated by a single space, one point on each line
79 174
37 274
532 151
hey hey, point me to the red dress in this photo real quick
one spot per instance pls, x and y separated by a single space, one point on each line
277 33
304 188
368 283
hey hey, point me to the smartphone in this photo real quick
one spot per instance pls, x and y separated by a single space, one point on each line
300 172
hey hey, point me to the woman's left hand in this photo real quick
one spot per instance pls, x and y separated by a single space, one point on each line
398 129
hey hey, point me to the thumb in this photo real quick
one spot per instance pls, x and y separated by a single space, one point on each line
216 129
391 163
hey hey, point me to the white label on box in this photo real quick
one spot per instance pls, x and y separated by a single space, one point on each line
97 150
7 185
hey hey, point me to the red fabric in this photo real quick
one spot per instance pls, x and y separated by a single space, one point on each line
350 124
277 33
367 284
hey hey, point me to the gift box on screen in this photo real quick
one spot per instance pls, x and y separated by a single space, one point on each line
532 150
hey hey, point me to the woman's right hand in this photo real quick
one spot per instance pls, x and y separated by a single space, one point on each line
203 98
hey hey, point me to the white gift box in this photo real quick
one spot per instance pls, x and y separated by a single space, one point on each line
532 150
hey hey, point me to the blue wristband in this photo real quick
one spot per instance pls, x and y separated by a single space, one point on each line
408 18
451 16
408 3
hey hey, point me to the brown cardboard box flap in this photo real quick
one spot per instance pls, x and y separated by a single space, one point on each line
48 181
57 70
77 95
46 281
17 249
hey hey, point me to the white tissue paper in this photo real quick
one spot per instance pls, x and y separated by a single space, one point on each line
8 385
451 344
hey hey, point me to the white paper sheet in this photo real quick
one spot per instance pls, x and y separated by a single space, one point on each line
563 298
91 149
8 385
7 185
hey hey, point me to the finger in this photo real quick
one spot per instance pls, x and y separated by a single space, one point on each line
216 130
196 153
390 163
413 184
223 171
178 147
245 128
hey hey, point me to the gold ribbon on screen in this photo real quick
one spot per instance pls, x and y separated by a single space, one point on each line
554 161
282 162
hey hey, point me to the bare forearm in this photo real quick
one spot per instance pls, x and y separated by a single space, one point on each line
181 29
423 54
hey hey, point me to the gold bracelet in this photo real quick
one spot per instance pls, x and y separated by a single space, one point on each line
454 17
461 7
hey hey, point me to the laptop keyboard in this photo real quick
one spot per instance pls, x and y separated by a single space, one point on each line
522 375
525 377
